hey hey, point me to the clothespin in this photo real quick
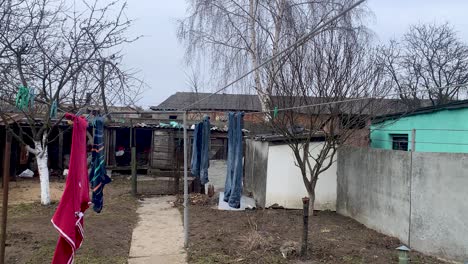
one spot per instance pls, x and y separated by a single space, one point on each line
275 112
53 109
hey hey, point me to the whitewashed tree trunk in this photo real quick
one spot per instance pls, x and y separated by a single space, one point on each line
40 150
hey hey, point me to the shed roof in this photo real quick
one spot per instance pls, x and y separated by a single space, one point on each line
423 110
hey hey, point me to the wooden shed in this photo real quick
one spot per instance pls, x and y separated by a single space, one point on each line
159 149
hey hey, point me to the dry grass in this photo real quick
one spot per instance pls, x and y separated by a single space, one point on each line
255 240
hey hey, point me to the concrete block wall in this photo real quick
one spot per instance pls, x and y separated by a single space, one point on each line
420 198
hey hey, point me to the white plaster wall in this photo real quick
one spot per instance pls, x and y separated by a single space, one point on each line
285 187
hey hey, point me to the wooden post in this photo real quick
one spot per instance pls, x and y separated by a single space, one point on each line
113 146
413 140
6 179
134 172
60 149
133 161
305 231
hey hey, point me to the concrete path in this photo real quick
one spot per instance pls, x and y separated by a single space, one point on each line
158 236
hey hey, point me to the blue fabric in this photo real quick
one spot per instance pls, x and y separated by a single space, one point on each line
97 177
205 150
196 150
201 150
230 156
233 186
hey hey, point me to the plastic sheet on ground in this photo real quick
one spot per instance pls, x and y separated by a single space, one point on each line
245 203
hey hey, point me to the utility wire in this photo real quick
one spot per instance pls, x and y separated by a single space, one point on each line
292 47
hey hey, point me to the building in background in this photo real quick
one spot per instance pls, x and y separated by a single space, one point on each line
442 128
218 105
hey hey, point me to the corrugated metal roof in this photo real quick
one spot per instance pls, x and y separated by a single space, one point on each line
423 110
251 103
222 102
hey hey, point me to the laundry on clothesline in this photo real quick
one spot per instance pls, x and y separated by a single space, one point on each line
22 98
200 150
233 184
98 177
68 218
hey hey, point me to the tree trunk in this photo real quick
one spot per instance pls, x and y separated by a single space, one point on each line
311 203
42 159
262 95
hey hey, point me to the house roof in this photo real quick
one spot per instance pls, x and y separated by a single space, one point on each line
423 110
217 102
251 103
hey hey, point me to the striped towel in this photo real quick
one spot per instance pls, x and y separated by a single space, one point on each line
97 176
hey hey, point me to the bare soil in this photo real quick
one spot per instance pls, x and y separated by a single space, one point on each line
256 237
32 238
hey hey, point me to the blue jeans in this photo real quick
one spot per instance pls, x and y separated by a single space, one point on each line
196 149
230 156
205 150
233 186
201 150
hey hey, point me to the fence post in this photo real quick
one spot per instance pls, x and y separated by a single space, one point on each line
133 160
413 140
6 179
305 231
186 196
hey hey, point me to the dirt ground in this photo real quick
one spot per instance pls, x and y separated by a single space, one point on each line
32 238
29 191
256 237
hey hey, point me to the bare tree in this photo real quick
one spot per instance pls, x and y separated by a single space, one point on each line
337 65
237 36
58 50
429 56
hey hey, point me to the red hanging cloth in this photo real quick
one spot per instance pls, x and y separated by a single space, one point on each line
68 218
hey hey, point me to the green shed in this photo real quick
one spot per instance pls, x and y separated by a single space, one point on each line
442 128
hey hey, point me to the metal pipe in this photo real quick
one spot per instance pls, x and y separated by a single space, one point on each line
186 204
6 179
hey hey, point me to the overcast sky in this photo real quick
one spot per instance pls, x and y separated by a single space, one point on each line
159 57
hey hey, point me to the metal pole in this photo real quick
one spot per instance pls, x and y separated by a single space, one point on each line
186 204
305 231
6 179
413 149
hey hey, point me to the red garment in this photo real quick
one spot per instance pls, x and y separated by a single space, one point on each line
68 218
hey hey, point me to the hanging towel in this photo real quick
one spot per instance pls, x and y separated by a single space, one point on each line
68 218
98 177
